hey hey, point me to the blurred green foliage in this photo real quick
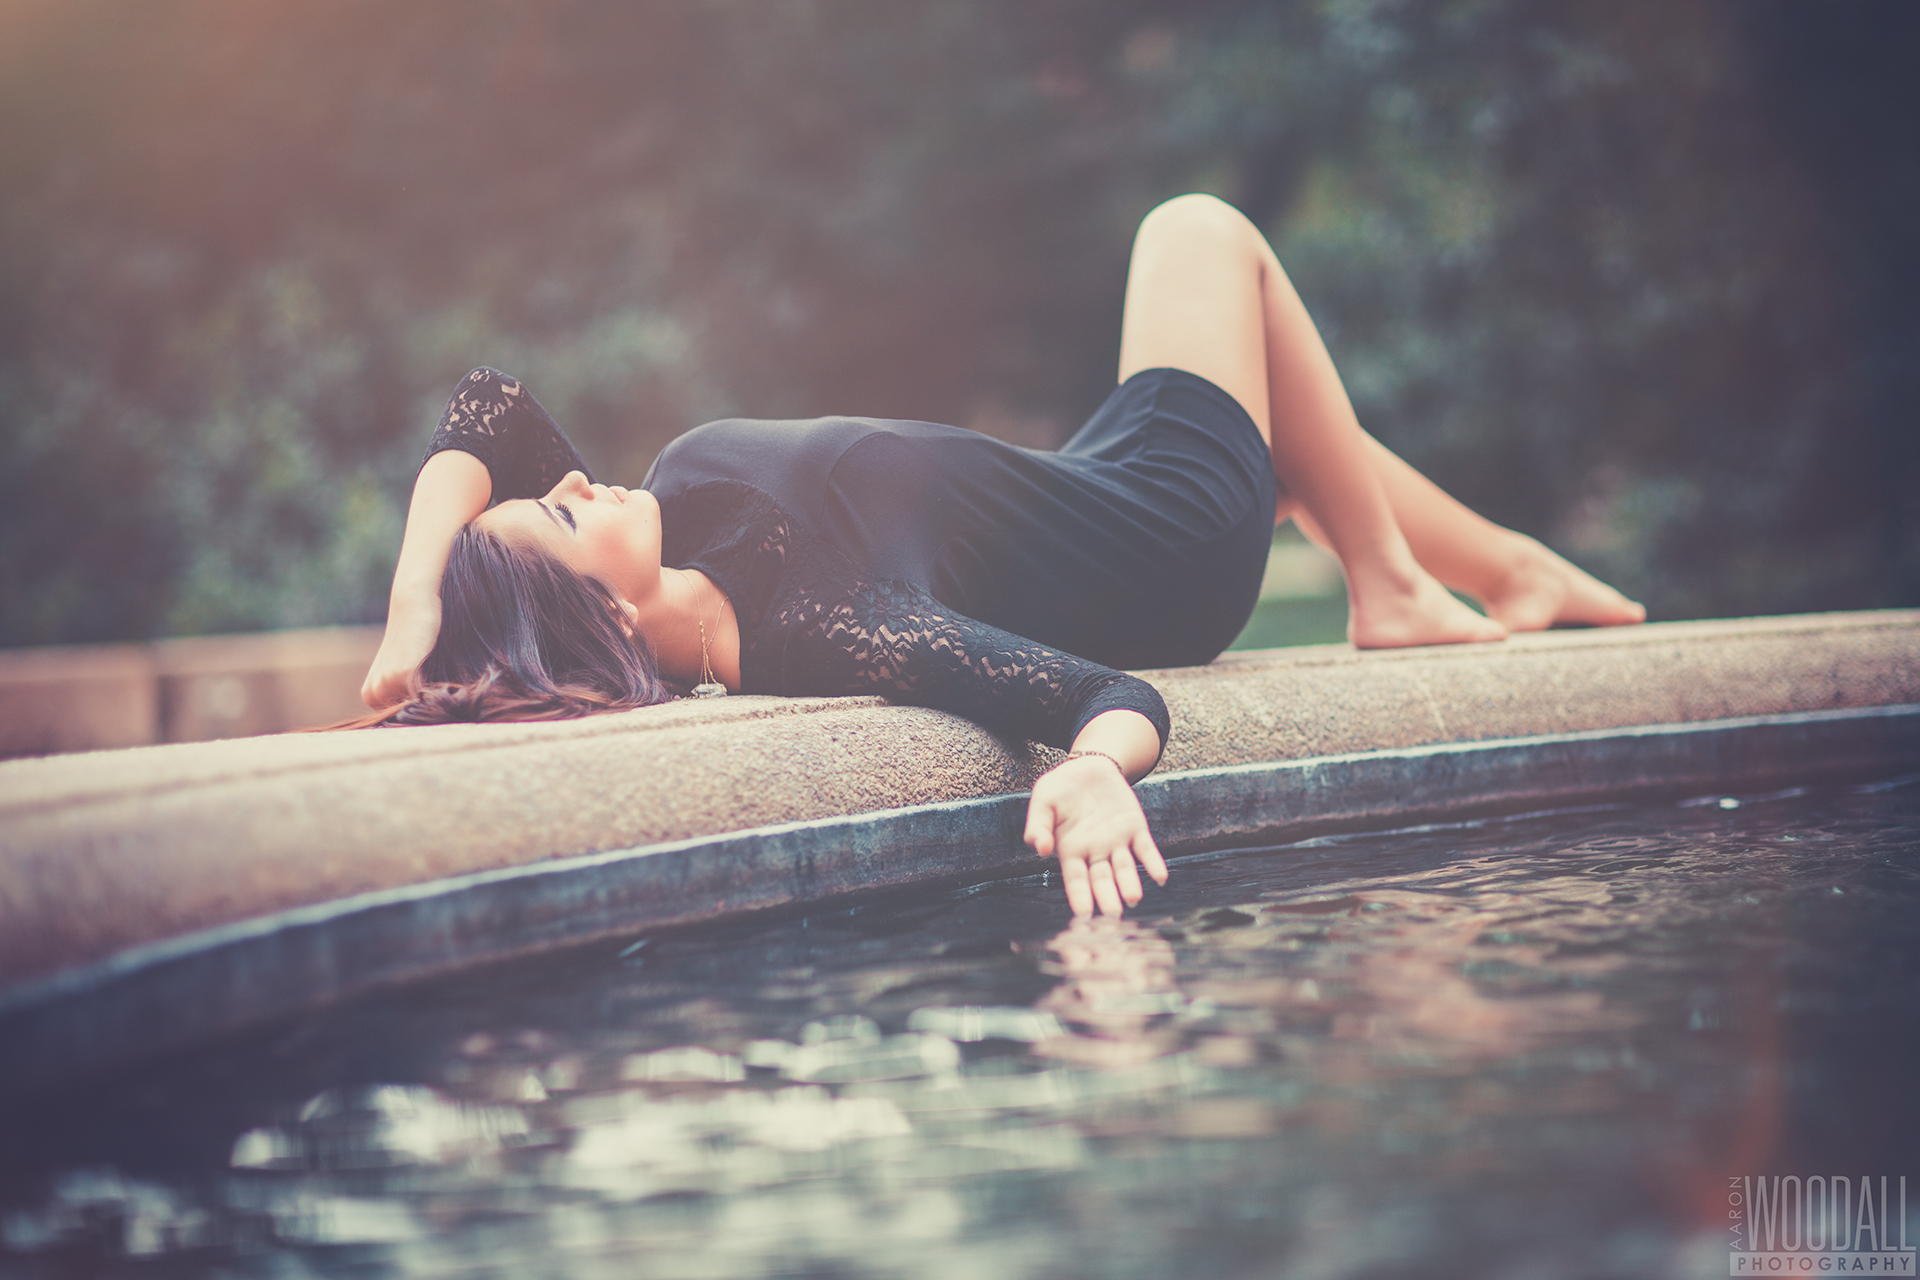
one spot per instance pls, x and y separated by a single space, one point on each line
1627 277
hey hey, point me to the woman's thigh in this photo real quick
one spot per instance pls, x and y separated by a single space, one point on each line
1193 300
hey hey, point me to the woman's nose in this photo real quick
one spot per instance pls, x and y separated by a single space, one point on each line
574 482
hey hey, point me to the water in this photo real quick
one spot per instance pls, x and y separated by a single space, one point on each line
1532 1047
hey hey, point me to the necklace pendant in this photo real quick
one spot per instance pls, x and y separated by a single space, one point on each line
710 689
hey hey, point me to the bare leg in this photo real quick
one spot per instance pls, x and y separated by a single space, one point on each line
1517 579
1206 293
1323 458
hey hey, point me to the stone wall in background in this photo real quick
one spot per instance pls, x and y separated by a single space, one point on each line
192 689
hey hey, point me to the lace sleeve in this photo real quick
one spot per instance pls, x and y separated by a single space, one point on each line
895 639
496 419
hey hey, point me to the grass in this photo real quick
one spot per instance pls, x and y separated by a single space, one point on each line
1291 620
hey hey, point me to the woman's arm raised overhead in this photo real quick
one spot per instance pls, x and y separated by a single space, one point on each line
499 444
447 492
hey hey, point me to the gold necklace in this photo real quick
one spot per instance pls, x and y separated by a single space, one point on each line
709 686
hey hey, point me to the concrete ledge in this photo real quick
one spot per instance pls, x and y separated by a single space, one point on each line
114 864
173 994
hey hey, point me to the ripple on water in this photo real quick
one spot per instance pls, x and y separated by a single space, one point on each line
1534 1045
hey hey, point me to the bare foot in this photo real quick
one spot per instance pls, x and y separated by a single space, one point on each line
1416 612
1543 588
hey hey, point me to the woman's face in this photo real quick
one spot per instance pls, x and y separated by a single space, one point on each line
603 531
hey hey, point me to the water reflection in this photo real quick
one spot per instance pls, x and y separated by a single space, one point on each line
1540 1045
1117 999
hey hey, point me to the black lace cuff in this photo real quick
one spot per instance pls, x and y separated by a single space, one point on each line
896 639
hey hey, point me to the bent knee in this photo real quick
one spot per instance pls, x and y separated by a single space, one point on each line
1197 212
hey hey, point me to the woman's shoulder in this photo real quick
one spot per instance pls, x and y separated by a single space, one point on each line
777 455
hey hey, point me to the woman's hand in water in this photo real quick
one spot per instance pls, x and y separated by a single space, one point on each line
1084 813
411 632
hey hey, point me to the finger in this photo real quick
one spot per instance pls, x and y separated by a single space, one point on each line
1040 827
1127 876
1104 893
1073 875
1149 854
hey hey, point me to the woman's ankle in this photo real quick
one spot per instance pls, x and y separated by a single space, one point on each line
1388 612
1385 578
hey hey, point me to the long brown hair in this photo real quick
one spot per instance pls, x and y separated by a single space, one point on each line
523 637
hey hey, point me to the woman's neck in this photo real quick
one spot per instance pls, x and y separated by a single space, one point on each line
688 601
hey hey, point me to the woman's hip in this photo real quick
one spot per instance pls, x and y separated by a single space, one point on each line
1205 598
1178 608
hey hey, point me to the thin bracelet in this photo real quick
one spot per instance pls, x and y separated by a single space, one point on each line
1074 755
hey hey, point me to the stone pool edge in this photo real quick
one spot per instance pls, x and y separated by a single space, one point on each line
151 999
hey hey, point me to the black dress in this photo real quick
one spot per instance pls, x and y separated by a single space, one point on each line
937 565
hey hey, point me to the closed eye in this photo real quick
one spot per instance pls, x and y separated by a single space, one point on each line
562 507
